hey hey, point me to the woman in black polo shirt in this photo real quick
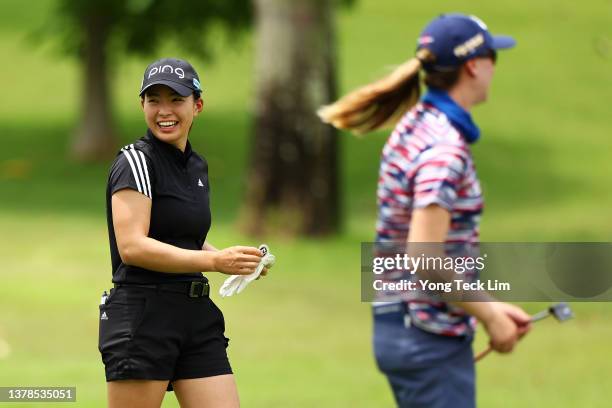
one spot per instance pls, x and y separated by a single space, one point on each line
158 327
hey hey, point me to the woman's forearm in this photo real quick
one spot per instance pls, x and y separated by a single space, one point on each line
157 256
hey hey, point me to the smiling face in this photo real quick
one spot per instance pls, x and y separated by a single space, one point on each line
170 115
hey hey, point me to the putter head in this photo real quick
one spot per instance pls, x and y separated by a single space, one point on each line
561 312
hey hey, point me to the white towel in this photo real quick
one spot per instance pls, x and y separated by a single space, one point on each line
237 283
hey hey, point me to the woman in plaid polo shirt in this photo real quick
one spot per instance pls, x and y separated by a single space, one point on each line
428 191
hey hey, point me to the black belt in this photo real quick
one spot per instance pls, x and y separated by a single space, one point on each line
194 289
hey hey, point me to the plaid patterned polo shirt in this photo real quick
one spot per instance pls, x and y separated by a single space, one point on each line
425 161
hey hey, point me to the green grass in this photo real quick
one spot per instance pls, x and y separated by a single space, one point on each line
290 337
543 161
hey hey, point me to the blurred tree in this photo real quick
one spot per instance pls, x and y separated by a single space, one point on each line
293 177
91 28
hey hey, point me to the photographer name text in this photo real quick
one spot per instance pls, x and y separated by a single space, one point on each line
446 287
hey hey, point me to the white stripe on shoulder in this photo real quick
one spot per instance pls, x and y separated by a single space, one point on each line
139 167
126 153
146 173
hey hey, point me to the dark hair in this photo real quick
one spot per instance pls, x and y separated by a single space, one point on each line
444 80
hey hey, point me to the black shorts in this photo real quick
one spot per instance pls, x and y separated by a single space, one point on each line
152 334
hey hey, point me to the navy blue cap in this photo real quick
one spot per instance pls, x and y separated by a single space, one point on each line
175 73
456 38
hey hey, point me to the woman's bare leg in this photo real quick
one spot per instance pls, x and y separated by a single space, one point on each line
136 393
211 392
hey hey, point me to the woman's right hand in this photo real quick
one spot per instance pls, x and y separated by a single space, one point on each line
237 260
506 326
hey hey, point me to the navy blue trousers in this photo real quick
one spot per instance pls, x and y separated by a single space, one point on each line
425 370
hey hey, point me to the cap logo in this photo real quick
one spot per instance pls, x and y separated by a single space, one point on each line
469 46
167 68
196 84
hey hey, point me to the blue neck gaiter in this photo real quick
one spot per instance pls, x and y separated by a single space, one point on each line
458 116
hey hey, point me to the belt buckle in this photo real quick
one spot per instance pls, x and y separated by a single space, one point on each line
203 289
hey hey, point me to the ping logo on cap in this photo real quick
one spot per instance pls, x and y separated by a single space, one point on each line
175 73
167 68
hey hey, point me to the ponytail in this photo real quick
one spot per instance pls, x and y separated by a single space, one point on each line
380 103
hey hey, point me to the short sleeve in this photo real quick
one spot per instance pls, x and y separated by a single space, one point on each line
131 169
438 177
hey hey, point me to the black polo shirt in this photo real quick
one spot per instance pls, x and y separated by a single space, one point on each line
177 183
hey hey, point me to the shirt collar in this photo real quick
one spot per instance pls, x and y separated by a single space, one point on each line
459 117
174 152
